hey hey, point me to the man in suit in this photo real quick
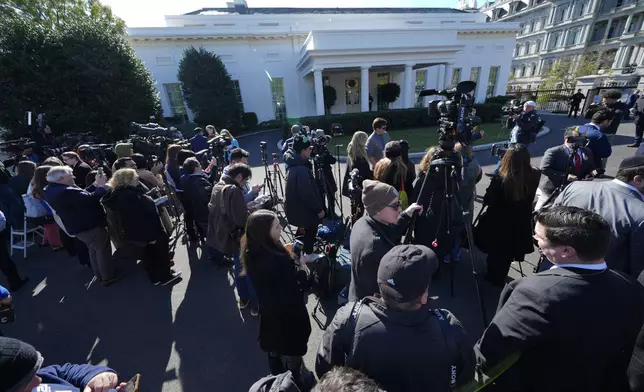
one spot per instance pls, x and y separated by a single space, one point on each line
621 203
80 168
570 328
559 166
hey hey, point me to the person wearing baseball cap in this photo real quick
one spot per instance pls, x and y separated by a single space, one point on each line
621 203
20 371
303 203
374 234
397 338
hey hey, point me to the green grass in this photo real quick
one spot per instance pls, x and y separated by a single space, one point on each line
421 138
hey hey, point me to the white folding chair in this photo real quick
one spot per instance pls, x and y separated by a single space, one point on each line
22 236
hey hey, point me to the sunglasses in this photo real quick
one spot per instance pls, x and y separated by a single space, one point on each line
395 206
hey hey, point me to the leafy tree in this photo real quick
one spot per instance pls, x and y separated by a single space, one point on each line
388 92
330 96
208 88
83 76
565 71
54 14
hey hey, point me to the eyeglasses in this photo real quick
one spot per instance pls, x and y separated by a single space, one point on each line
395 206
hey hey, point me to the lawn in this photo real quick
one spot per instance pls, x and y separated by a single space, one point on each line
421 138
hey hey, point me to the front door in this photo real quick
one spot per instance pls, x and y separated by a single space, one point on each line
352 94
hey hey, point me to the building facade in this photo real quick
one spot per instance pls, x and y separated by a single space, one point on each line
280 59
551 30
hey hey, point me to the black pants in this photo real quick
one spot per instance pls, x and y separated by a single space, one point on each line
639 132
276 365
574 108
309 239
498 266
7 266
188 216
156 259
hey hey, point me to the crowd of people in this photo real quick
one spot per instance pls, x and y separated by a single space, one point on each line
550 331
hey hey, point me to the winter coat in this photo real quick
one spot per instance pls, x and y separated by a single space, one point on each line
198 143
370 241
364 171
227 214
197 190
507 228
303 201
79 209
71 375
19 184
133 214
81 170
284 325
12 206
620 111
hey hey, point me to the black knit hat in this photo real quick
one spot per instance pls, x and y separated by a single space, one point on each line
19 362
300 142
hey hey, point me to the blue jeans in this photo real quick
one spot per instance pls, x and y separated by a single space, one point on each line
245 288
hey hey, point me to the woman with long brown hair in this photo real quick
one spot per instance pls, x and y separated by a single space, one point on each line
284 327
505 230
391 169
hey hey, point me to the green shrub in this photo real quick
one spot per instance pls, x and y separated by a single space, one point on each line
351 122
250 121
488 112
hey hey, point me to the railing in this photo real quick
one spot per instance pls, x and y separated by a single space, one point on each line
553 100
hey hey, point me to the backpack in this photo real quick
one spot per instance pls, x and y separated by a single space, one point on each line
281 383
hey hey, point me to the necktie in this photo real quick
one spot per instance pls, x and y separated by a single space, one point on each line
577 163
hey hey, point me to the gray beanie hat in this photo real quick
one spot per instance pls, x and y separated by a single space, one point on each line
377 195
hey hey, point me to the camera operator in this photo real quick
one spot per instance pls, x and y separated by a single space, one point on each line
239 155
80 168
575 100
147 177
597 141
356 159
525 127
288 143
303 206
548 333
82 216
284 324
20 366
226 221
638 111
373 235
230 142
324 158
196 192
136 218
557 168
621 203
211 132
398 339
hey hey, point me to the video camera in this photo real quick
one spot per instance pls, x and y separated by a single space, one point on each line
454 113
150 129
514 107
578 141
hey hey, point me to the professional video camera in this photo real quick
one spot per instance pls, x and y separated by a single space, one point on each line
514 107
578 142
455 119
150 129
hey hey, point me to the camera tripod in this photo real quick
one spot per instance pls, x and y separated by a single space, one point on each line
445 169
271 178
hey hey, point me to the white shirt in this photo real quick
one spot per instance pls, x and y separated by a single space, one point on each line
594 267
622 183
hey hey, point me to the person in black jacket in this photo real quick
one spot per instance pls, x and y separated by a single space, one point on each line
196 193
619 111
356 159
136 218
82 216
80 168
303 205
575 100
284 322
398 339
505 231
570 328
373 235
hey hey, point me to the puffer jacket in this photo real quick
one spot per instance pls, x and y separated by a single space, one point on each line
303 201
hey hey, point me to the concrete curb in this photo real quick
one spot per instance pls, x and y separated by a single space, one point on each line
416 155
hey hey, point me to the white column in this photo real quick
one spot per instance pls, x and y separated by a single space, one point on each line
565 38
440 83
484 79
364 88
408 87
618 57
319 92
586 34
427 85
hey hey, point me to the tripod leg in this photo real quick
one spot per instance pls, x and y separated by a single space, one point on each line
521 268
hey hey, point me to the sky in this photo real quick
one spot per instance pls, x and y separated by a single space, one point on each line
150 13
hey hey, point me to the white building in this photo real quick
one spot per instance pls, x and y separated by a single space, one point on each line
284 56
554 29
